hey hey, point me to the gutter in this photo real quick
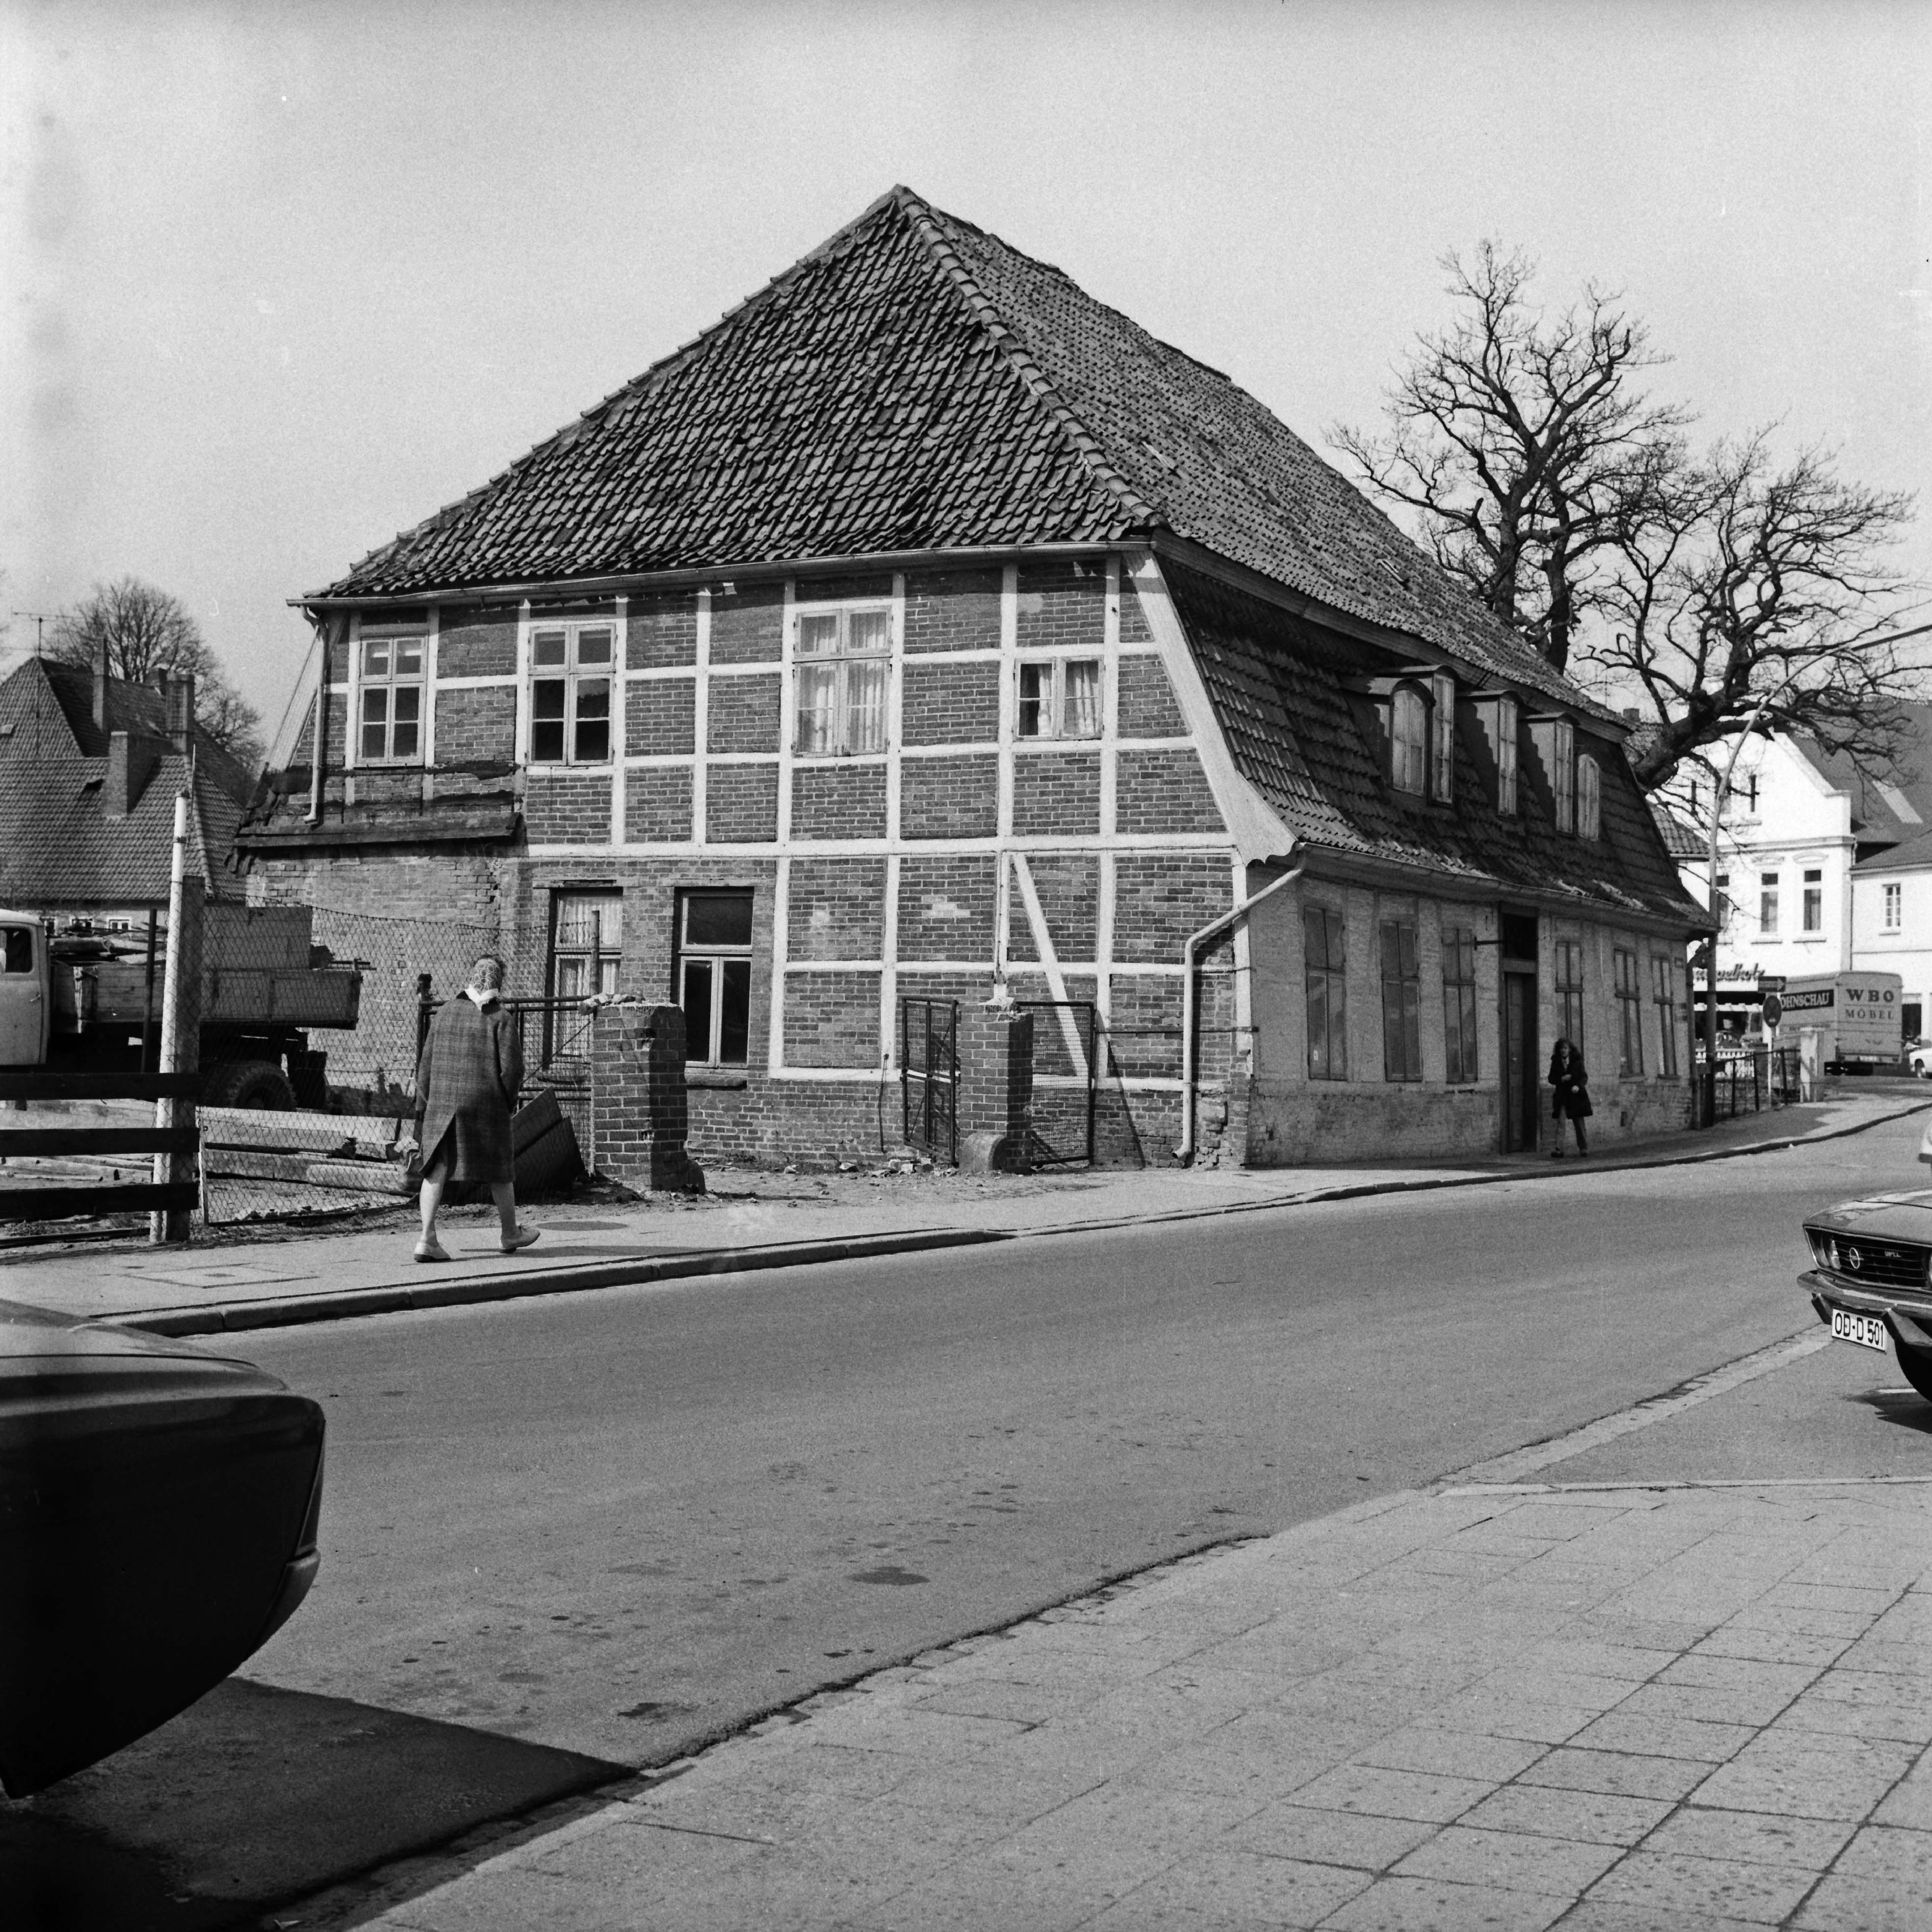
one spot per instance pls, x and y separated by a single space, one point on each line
1184 1148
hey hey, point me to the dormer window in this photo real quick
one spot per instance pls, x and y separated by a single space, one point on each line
1442 764
1589 795
1496 714
1408 740
1555 741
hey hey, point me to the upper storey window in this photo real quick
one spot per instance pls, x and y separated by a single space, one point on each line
1059 698
392 719
570 693
1589 798
842 658
1408 740
1442 759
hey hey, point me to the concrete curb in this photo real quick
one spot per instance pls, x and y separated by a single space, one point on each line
446 1292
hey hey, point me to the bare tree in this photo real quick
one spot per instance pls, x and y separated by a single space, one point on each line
145 632
1523 446
1766 595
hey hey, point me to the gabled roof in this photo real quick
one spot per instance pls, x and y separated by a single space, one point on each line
916 384
1889 810
1679 840
1291 726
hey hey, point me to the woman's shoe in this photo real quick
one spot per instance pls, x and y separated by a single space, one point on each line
432 1250
1556 1153
524 1238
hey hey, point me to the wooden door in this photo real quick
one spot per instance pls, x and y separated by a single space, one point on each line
1520 1088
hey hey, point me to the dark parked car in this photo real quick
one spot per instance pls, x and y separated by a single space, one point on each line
158 1510
1871 1283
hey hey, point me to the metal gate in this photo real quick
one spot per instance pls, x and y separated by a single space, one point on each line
929 1075
1067 1047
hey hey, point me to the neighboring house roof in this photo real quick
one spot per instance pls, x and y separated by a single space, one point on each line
1909 855
1892 810
916 384
1291 726
58 849
1679 841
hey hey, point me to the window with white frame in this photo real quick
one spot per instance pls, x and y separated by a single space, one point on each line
1442 763
1059 698
1589 798
570 667
842 658
1894 907
1727 910
1814 899
588 944
714 976
1408 740
391 703
1768 905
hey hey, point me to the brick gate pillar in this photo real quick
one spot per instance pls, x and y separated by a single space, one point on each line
996 1096
639 1115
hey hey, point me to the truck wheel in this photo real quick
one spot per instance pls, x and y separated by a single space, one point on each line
1915 1366
258 1085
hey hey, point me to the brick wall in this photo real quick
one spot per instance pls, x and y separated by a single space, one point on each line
568 807
1062 605
661 631
952 610
946 907
950 703
659 717
836 908
657 803
831 1019
1055 792
836 801
640 1118
1159 897
1068 885
476 641
748 624
475 725
1163 791
949 798
1133 626
741 803
742 715
1148 706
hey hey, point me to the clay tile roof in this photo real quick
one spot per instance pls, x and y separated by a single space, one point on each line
914 384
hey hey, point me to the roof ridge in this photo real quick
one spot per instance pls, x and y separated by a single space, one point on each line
925 220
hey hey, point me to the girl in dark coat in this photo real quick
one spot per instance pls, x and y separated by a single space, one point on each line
1570 1078
466 1085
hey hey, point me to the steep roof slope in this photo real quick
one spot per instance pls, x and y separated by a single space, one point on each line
917 384
1889 810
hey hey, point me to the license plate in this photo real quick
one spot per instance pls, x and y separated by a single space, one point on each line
1867 1330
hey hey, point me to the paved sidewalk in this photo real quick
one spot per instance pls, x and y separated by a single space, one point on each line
762 1220
1675 1709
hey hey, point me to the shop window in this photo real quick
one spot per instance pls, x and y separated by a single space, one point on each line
1570 993
1630 1015
1458 1003
843 657
1059 698
1589 798
1663 973
392 710
1325 970
1768 905
714 976
1401 1002
1814 899
570 693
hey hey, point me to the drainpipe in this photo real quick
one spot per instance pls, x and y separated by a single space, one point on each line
315 756
1184 1149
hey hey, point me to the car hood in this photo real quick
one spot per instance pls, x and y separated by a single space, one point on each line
1898 1217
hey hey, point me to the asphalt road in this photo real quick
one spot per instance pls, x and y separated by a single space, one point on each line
621 1522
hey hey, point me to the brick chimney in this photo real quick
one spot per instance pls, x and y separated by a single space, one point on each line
100 687
179 692
131 763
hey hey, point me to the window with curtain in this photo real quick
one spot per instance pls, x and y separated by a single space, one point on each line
1570 992
570 667
1458 1003
1589 798
1408 741
1059 698
1401 1002
392 712
1663 973
588 944
1324 957
1630 1015
841 659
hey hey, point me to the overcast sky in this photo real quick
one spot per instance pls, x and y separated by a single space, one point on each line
284 279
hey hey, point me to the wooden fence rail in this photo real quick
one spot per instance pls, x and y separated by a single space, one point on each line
40 1203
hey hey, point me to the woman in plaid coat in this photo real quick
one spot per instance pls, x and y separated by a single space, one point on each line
466 1085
